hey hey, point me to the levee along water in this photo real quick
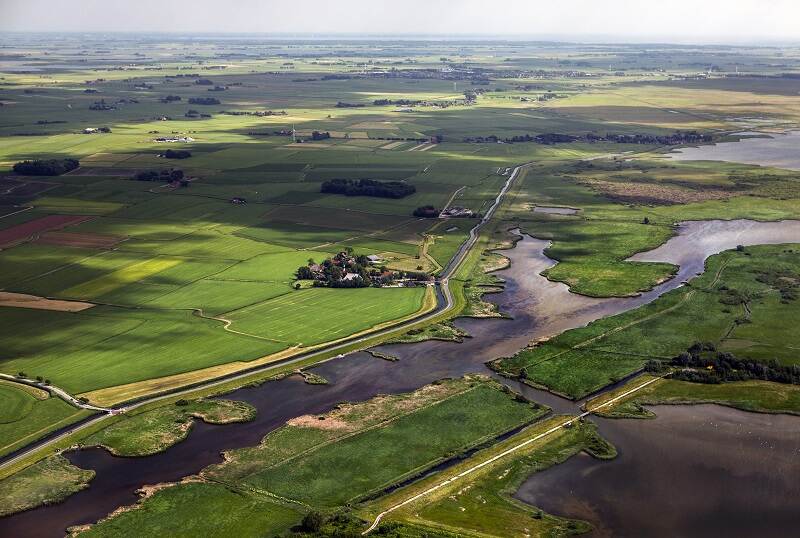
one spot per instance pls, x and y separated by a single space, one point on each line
538 309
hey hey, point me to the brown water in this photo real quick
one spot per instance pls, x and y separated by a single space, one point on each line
539 308
701 471
780 150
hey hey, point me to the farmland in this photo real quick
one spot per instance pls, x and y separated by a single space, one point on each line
188 292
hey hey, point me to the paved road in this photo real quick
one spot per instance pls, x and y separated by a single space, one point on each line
442 283
503 454
61 393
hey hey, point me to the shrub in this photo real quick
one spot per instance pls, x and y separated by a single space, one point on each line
313 521
204 101
177 154
427 212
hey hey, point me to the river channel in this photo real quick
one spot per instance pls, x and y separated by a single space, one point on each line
538 309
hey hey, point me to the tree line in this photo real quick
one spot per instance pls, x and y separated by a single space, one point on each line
689 137
702 363
46 167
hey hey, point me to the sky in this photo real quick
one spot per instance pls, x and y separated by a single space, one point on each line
680 21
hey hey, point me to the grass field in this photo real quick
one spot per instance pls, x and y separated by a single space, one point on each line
28 414
183 511
317 315
49 481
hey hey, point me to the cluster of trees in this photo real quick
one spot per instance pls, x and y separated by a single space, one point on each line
342 104
368 187
170 98
46 167
101 105
689 137
316 135
191 113
342 524
204 101
702 363
177 154
427 212
347 270
166 176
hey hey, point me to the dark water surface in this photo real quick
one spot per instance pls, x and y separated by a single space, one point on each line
540 309
702 470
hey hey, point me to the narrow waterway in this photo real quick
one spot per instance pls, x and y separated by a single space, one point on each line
539 309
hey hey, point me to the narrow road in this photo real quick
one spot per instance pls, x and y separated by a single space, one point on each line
61 393
449 270
503 454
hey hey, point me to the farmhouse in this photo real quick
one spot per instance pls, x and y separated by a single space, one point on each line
174 139
346 270
456 212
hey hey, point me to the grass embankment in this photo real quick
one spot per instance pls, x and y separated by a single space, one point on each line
47 482
743 302
348 454
28 414
481 503
150 432
756 396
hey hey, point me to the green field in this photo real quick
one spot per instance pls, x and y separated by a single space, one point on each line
235 514
318 315
28 414
49 481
